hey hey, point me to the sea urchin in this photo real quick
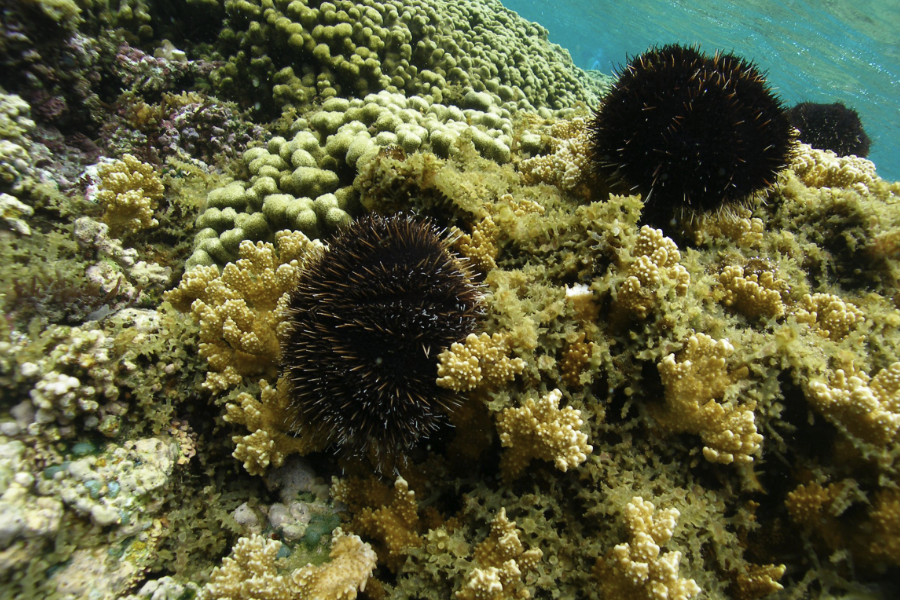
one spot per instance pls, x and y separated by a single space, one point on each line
830 127
689 131
367 321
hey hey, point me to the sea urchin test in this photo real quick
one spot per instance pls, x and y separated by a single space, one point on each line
368 319
690 132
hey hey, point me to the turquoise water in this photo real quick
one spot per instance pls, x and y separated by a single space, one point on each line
825 51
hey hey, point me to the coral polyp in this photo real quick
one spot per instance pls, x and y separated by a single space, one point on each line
369 317
690 131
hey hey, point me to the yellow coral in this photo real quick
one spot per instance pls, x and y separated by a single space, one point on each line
539 429
753 294
654 265
240 312
832 317
393 524
736 223
693 384
129 191
501 560
867 410
481 246
812 505
268 419
575 359
567 166
637 570
756 581
481 360
251 573
352 563
886 520
824 168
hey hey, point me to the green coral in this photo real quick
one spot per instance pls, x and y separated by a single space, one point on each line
310 49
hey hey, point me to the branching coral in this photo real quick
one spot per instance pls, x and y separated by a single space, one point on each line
129 191
567 166
269 420
693 384
824 168
251 572
832 317
393 524
481 245
481 361
241 310
501 560
885 518
539 429
654 269
869 410
637 570
753 294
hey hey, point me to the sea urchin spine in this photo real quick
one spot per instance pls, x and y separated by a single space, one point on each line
689 131
367 321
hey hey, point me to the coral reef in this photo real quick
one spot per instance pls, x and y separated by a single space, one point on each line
502 560
251 572
240 310
641 409
638 569
539 429
128 191
693 384
481 360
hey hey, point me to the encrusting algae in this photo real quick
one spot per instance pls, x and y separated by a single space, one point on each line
706 407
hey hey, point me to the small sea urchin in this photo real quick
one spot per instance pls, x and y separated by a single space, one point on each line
830 127
690 131
368 319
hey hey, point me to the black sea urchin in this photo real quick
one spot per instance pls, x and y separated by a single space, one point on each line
689 131
368 319
830 127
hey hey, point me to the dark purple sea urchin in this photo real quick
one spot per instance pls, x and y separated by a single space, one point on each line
830 127
690 132
368 319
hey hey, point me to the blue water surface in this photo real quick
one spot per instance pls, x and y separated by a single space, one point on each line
821 51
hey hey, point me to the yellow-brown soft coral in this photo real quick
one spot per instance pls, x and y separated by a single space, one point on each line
480 246
480 361
501 561
869 410
352 563
885 518
654 267
129 191
832 317
574 360
241 310
753 294
637 569
393 524
539 429
693 383
567 166
268 419
756 581
824 168
251 572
